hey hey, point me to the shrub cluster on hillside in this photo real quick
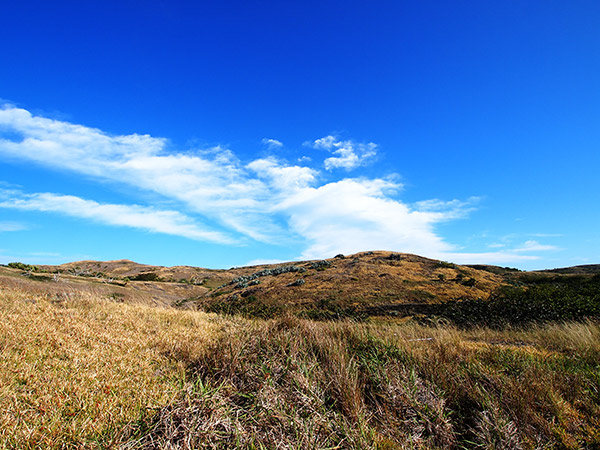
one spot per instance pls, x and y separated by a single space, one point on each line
546 299
22 266
244 281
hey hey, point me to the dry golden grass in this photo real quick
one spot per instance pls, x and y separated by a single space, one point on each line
293 383
75 370
361 280
148 293
81 371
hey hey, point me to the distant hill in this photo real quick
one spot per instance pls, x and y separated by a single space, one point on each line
587 269
358 285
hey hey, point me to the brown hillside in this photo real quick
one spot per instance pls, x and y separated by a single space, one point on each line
364 283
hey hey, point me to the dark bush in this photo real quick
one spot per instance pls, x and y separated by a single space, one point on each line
534 304
147 276
22 266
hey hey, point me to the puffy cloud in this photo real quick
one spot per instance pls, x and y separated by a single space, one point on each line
281 177
272 143
349 154
353 215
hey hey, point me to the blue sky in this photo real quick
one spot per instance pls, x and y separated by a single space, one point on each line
219 134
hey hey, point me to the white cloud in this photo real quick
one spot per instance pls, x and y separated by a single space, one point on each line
265 199
352 215
260 262
349 154
133 216
272 144
448 210
281 177
502 257
212 182
12 226
534 246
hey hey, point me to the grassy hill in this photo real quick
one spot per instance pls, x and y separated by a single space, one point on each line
365 285
368 283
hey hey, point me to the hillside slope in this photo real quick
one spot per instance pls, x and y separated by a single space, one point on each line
373 283
368 283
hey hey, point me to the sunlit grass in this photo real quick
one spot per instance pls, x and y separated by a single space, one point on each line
78 370
81 371
294 383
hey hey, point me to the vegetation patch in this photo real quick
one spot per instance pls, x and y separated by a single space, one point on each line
147 276
294 383
245 305
320 265
573 299
245 280
22 266
330 309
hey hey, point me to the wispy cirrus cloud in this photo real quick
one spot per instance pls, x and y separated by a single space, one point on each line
265 200
12 226
534 246
499 257
448 210
210 182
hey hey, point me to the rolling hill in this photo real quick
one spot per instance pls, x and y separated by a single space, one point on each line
369 283
373 283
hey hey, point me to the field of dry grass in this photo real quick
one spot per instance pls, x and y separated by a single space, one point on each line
82 371
76 369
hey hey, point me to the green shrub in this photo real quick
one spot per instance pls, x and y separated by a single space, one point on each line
445 265
148 276
22 266
245 305
523 305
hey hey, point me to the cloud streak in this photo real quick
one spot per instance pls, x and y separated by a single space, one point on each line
132 216
534 246
12 226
